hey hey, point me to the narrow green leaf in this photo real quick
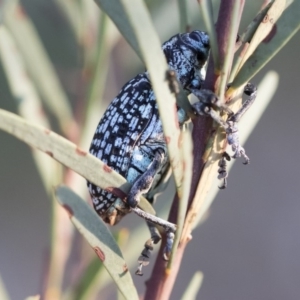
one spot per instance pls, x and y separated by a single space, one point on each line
232 33
68 154
251 29
29 106
106 40
27 100
3 5
116 11
99 237
100 62
39 65
183 15
72 13
285 28
193 287
180 94
187 158
208 18
99 71
247 36
264 28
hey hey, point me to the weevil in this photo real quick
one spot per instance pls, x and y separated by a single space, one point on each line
129 138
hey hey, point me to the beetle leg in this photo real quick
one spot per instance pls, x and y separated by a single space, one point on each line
251 91
148 247
223 173
143 260
143 184
205 106
232 130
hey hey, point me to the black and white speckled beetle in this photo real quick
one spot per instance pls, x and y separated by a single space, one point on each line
130 139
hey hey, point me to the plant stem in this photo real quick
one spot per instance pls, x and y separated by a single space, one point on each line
160 285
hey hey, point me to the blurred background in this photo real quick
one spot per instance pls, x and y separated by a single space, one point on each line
249 245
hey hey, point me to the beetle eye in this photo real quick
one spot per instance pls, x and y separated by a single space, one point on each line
201 56
194 35
200 37
206 44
